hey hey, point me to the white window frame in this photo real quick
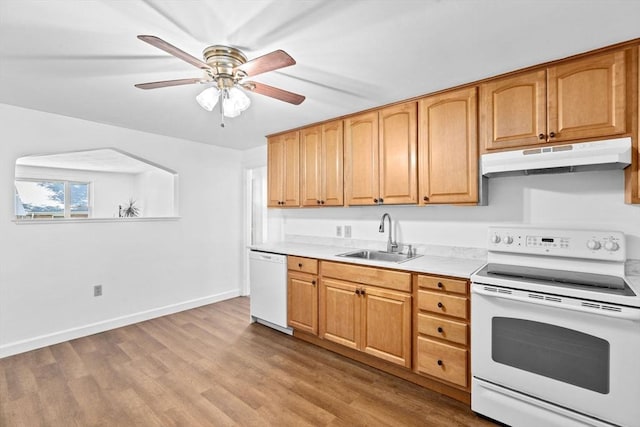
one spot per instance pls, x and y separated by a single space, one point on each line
67 194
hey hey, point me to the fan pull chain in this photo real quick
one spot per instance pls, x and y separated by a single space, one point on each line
223 92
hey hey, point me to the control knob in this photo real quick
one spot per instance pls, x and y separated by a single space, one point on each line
611 246
508 240
593 244
495 239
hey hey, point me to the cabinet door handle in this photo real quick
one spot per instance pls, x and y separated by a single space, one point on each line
440 305
440 363
440 329
357 291
313 282
375 200
318 202
552 134
363 292
381 200
425 198
541 136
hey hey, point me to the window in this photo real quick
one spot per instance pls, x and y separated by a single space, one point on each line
46 199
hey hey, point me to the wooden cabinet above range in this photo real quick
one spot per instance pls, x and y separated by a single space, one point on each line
574 100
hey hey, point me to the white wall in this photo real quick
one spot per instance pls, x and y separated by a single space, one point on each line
592 200
154 192
147 268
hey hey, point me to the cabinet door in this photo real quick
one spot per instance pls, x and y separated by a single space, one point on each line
587 97
361 159
291 191
311 166
398 145
448 147
302 302
386 325
340 313
513 111
631 173
275 171
332 170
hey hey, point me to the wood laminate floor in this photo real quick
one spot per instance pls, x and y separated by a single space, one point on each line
209 367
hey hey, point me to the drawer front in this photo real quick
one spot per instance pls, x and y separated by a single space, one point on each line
440 303
445 329
305 265
458 286
389 279
442 361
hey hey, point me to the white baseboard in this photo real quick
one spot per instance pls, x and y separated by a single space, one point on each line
105 325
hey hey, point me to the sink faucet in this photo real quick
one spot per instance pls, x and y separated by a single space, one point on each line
391 245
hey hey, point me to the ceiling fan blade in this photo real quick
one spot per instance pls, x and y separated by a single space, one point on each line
171 49
274 92
167 83
269 62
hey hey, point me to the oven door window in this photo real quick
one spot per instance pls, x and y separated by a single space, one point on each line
552 351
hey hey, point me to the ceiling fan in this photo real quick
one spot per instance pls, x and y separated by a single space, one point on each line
226 68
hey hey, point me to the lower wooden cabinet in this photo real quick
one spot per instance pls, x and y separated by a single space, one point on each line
412 325
302 294
441 329
442 360
367 318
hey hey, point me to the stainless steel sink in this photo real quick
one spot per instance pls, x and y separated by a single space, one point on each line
379 255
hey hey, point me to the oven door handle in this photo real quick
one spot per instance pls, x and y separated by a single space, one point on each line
625 313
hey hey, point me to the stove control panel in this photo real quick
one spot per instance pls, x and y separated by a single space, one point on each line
591 244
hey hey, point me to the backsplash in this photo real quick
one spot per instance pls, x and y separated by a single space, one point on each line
583 200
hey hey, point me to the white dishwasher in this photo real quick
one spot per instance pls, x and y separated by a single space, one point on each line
268 290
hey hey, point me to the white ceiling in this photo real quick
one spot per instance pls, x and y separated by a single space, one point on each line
82 58
102 160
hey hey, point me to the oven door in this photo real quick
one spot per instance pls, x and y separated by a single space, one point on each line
558 350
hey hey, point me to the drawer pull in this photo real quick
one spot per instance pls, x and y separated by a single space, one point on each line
440 305
440 285
440 362
300 264
440 330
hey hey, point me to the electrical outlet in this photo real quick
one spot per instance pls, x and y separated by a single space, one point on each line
97 290
347 231
339 230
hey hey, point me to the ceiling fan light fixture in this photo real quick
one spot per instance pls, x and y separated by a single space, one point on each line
235 102
208 98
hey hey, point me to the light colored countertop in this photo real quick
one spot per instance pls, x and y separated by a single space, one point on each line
432 264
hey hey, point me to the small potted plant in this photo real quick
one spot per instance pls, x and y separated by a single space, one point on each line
130 209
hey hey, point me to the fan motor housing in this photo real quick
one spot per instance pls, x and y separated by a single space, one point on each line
223 59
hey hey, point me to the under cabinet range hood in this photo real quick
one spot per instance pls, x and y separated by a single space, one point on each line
597 155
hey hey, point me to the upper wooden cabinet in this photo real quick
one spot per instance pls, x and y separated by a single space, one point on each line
381 156
448 147
321 174
578 99
283 164
631 174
